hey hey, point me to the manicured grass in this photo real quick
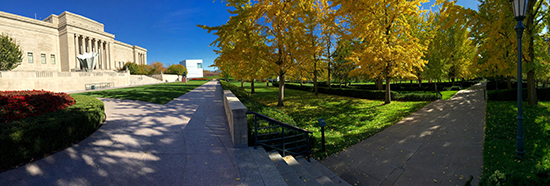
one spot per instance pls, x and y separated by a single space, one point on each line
35 137
500 165
448 94
157 93
349 120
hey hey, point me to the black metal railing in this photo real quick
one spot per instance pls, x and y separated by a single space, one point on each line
283 137
93 86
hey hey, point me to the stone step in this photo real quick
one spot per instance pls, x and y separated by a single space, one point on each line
302 173
317 175
327 172
247 167
266 168
285 170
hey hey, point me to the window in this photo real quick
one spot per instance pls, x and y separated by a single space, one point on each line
52 57
43 56
29 57
199 65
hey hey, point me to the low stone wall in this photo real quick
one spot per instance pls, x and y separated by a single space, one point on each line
166 77
59 81
236 117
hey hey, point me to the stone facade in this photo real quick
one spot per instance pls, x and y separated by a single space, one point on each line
53 43
50 48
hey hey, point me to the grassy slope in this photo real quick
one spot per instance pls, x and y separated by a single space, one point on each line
500 145
349 120
157 93
448 94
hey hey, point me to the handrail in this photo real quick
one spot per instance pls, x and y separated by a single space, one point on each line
278 122
284 143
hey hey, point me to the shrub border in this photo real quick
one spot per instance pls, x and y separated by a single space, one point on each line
33 138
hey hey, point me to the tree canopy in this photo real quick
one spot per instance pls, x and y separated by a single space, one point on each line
10 53
375 39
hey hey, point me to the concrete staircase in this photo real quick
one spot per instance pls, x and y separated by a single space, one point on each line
143 80
259 167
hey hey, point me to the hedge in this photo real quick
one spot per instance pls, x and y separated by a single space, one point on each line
33 138
367 94
17 105
543 94
256 106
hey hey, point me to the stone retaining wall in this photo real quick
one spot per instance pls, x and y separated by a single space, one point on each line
59 81
236 117
166 77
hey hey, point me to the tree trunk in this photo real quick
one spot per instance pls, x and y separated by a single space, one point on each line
242 83
531 88
509 82
252 86
379 82
411 83
281 88
437 91
419 82
388 93
315 78
453 80
530 29
301 81
496 84
430 81
340 82
328 69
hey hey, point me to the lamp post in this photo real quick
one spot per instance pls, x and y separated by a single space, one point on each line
519 13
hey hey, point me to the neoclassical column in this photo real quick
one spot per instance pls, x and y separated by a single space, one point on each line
109 55
92 45
107 67
75 51
85 44
98 49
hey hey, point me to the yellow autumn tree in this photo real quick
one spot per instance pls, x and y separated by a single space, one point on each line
389 47
239 44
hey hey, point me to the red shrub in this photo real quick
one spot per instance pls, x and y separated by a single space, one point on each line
16 105
199 79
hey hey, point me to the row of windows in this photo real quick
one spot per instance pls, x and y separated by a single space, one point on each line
30 58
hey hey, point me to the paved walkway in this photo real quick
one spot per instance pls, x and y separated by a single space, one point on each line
184 142
441 144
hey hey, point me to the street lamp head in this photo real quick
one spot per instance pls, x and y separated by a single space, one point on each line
520 7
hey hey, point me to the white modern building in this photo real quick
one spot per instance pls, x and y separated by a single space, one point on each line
194 67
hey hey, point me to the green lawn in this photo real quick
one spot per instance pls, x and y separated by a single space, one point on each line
157 93
349 120
500 164
448 94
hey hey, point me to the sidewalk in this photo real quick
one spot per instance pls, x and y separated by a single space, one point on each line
184 142
441 144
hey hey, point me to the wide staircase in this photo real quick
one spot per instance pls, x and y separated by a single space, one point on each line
295 167
142 80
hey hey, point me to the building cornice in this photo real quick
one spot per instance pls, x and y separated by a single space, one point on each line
27 20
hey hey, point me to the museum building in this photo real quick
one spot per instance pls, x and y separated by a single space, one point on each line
51 46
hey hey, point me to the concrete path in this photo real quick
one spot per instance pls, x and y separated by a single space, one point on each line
184 142
441 144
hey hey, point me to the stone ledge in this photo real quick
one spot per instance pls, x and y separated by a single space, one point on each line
235 112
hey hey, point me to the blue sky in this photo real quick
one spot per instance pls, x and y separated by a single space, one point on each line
166 28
